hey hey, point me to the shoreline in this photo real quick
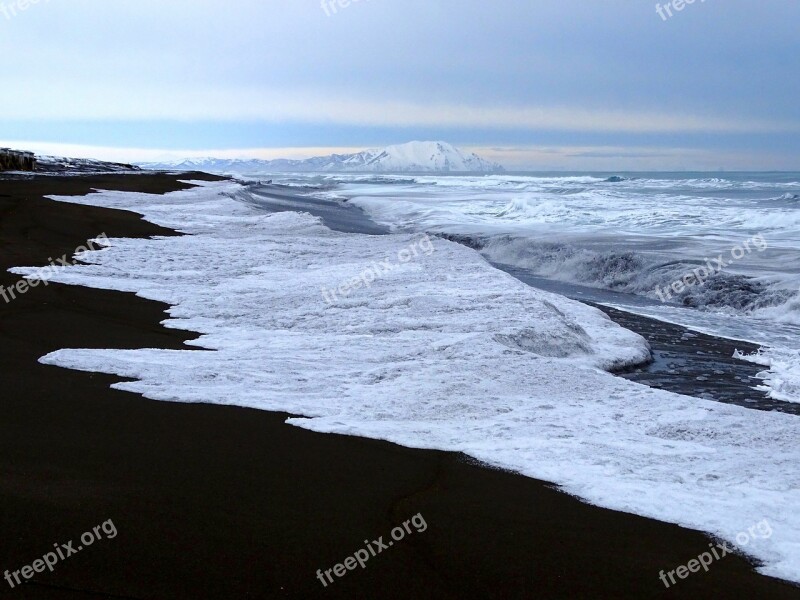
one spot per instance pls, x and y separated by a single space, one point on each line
220 501
683 361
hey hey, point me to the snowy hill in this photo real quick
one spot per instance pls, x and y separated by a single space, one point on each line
60 164
434 157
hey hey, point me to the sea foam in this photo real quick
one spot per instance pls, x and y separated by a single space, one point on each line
443 352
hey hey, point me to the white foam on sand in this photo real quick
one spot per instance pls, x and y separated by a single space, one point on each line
781 379
442 352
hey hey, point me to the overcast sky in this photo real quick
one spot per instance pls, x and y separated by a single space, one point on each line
541 84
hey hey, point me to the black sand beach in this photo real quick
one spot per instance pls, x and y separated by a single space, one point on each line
224 502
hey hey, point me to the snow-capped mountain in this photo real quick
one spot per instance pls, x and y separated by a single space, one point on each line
435 157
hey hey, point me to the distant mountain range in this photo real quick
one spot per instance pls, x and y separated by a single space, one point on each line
423 157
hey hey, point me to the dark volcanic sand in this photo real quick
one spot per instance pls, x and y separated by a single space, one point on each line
337 216
697 364
224 502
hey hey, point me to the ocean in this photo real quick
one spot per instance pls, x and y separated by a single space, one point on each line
729 243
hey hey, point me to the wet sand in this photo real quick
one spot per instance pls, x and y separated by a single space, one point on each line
223 502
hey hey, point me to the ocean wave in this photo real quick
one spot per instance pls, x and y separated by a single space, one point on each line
505 181
633 273
708 183
365 179
781 379
790 197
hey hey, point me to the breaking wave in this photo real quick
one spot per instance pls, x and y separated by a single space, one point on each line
633 273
